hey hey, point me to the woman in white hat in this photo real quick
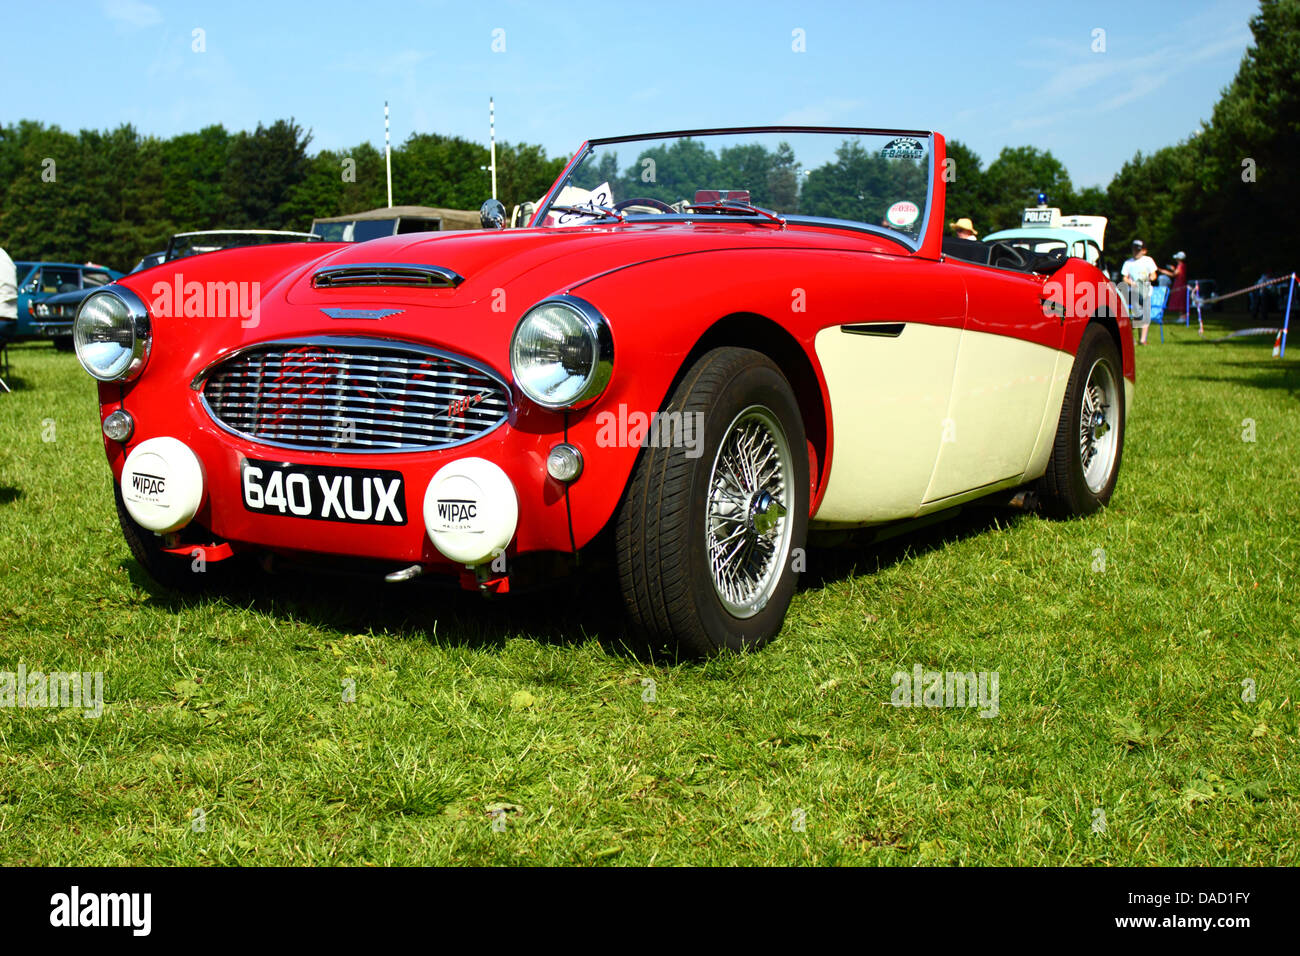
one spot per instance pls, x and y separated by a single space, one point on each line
963 228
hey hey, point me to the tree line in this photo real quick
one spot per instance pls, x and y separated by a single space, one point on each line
111 197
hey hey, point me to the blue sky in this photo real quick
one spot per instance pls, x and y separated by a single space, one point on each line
987 72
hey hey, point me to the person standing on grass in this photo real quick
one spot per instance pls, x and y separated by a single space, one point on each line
8 298
1178 293
1137 274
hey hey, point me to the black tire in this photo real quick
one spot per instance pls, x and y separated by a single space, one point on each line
1064 489
63 343
663 525
170 570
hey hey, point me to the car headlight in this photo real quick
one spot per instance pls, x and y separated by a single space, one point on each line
562 352
111 334
42 310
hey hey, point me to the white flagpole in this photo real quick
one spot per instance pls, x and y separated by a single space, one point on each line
388 156
492 131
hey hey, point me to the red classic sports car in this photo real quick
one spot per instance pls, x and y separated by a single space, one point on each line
705 344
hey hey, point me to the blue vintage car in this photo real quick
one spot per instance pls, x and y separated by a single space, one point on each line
38 281
54 313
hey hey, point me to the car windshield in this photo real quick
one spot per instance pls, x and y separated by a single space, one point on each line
193 243
358 230
59 279
1044 246
872 179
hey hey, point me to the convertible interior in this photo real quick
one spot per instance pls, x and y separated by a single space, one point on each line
1002 255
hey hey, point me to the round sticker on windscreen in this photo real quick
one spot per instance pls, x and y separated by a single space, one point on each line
902 214
905 147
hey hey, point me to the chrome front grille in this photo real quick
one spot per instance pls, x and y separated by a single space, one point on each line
353 395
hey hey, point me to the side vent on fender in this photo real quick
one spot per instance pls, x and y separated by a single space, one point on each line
890 330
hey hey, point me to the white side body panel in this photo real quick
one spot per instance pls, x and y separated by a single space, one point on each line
934 417
889 399
999 399
1051 416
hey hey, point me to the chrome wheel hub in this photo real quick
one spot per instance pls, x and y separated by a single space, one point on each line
748 522
1097 426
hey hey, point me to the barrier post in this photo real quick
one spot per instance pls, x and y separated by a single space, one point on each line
1199 321
1187 311
1286 319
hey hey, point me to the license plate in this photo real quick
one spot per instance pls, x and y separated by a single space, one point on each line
355 495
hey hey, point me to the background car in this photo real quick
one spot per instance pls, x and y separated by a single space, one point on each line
40 280
392 221
1043 241
185 244
55 313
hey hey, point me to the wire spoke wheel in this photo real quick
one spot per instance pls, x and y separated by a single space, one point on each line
1083 467
705 535
748 520
1098 426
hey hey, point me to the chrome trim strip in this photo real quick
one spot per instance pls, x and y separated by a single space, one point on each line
406 274
361 314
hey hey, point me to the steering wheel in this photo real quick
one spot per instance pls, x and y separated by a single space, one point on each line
647 202
1007 256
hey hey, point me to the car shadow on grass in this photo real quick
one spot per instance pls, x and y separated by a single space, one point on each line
1268 373
586 606
566 612
863 556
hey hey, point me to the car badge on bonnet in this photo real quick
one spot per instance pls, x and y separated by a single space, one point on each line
361 313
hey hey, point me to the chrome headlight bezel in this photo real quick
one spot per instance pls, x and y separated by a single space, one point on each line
136 319
589 323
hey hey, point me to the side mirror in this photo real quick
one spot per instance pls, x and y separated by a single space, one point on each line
492 214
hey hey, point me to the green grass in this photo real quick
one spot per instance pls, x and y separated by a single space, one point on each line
1119 689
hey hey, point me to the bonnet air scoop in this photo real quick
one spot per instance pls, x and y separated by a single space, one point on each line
399 274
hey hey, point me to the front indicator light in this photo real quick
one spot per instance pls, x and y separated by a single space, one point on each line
118 426
564 463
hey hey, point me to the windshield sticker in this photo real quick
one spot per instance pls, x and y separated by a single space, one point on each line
602 195
902 214
905 147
